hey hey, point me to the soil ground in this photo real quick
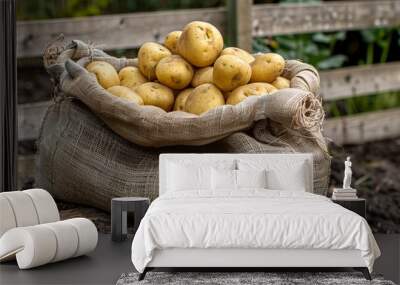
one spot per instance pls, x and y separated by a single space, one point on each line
376 176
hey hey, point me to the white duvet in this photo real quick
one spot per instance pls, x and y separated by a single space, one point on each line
250 219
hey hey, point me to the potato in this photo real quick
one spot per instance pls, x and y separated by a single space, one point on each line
252 89
174 72
239 53
149 55
203 98
131 77
156 94
266 67
203 75
126 93
171 41
230 72
181 98
200 43
105 73
226 94
281 82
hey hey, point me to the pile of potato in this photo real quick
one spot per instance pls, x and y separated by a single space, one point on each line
192 72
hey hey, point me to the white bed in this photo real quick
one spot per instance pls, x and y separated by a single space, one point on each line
220 225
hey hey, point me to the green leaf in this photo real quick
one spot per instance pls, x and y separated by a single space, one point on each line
322 38
368 35
332 62
340 36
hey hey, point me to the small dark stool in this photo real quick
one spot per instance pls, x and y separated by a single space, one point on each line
356 205
119 215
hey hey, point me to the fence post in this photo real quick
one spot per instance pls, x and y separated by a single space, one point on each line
240 23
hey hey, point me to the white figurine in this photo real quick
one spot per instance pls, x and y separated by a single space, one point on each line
347 174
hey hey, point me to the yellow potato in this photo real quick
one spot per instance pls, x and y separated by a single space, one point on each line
200 43
203 98
156 94
131 77
267 67
203 75
252 89
281 82
180 100
239 53
226 94
126 93
174 72
230 72
171 41
149 55
105 73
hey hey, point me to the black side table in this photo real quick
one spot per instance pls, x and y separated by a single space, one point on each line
358 206
119 215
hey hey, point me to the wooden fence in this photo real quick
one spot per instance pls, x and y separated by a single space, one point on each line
244 21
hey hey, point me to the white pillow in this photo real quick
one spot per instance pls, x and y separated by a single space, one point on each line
227 179
187 174
223 179
293 180
183 178
251 178
283 174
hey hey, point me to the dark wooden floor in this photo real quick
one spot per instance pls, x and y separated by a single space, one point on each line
103 266
110 260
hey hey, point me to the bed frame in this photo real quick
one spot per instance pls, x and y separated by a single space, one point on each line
246 259
249 259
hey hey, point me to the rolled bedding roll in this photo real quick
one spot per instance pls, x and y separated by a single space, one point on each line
37 245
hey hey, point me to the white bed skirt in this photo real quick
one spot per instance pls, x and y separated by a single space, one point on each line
235 257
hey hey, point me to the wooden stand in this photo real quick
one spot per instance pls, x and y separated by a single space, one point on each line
119 215
356 205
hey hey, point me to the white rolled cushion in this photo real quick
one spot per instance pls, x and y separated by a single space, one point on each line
33 245
45 205
223 179
7 218
23 208
40 244
87 234
251 178
67 240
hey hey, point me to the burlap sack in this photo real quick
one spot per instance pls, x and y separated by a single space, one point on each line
83 161
298 107
107 147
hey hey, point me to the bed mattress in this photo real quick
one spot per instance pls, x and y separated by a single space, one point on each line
251 219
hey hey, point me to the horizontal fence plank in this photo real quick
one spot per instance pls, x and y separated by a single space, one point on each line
355 129
360 80
112 31
279 19
365 127
131 30
30 118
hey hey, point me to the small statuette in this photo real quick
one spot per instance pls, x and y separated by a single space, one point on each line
347 174
346 192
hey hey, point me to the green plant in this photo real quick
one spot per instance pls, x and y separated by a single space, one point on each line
378 43
45 9
316 49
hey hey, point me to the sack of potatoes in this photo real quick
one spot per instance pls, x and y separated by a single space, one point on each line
191 89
